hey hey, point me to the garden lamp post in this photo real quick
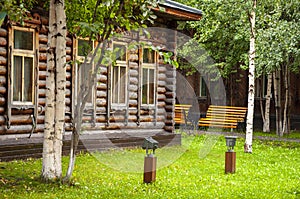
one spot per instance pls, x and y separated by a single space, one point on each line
230 156
150 161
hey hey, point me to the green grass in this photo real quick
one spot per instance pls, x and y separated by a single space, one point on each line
193 170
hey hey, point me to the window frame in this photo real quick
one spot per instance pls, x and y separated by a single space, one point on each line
81 59
120 64
202 87
24 53
149 66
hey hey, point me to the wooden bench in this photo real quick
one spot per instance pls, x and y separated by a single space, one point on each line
181 113
223 117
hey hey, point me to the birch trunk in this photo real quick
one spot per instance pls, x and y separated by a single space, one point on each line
277 102
266 126
55 92
251 89
285 128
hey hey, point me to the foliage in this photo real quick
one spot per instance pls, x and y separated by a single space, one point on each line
111 16
272 172
15 9
224 33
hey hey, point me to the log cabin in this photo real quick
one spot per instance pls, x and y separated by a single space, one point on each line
236 87
131 100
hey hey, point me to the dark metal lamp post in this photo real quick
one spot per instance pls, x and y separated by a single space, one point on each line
230 155
150 161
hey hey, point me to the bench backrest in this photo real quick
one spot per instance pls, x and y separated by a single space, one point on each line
228 112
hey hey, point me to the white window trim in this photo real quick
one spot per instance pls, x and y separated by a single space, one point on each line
149 66
119 64
23 53
81 59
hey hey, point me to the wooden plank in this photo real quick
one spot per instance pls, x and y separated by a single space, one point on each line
223 116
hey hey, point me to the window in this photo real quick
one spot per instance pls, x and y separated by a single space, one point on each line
148 76
22 70
84 48
202 87
119 75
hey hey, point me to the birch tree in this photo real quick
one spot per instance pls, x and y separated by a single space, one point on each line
266 115
55 92
251 77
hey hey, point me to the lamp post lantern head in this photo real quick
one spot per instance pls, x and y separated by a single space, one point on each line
230 142
150 143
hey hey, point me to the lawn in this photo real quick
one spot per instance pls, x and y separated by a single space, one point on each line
193 170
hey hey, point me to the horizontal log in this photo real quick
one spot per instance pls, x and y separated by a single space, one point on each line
42 75
162 69
133 95
170 94
43 30
161 104
20 129
132 103
133 73
133 65
161 97
161 83
133 88
101 94
2 110
43 39
101 102
102 78
3 52
43 48
3 41
134 80
161 90
2 90
101 86
3 60
103 70
42 66
3 70
43 57
3 32
170 80
162 77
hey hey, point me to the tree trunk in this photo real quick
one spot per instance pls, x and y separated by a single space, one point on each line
251 89
266 126
277 102
55 92
285 127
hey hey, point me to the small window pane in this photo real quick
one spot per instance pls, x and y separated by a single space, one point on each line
151 86
23 40
122 85
144 86
84 48
120 51
115 85
28 79
148 55
17 78
84 74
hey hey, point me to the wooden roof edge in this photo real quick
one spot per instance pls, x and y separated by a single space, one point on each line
180 11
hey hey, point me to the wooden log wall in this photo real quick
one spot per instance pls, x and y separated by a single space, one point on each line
103 116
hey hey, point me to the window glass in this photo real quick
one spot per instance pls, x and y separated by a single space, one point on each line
23 40
28 78
148 55
120 51
84 48
17 78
